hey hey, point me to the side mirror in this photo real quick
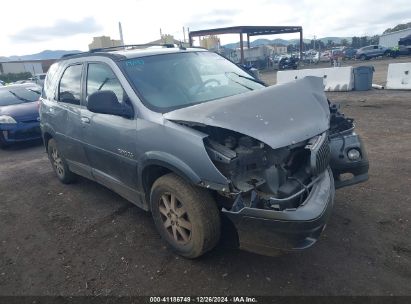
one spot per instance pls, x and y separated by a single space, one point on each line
106 102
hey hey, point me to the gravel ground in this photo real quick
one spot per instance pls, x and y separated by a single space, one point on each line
83 239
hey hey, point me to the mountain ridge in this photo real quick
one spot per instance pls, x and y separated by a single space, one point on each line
56 54
285 42
43 55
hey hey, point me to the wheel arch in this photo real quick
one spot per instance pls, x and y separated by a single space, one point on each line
155 165
47 134
46 137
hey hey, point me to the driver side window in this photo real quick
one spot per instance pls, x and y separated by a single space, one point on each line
100 77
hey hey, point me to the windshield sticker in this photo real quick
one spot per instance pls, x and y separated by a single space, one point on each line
134 62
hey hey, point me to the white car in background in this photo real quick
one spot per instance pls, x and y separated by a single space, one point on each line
325 56
38 79
312 56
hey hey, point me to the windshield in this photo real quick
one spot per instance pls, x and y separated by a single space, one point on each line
171 81
12 96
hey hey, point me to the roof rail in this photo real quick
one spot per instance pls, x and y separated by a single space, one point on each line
121 47
131 46
72 54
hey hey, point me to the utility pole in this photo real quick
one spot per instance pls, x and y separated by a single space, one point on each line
120 29
184 34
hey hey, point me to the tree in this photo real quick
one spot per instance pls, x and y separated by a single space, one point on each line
356 43
344 42
12 77
364 41
398 27
320 45
374 39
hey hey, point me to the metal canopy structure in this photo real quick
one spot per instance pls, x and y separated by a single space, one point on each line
250 31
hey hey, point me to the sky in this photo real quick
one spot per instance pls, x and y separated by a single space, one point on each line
28 27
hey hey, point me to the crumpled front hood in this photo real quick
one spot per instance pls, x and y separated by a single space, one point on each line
279 115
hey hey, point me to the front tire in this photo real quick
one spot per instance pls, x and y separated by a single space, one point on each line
186 216
59 164
3 143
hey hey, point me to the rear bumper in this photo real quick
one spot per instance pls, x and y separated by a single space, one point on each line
262 230
18 132
340 164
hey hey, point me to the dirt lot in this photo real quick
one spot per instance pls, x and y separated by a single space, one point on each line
83 239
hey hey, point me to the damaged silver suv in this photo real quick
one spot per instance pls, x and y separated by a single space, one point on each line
191 137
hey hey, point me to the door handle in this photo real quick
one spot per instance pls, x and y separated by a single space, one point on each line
85 120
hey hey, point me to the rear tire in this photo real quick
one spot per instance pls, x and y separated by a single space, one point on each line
59 164
186 216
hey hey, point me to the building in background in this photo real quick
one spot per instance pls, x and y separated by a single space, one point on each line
103 42
46 63
279 49
168 39
211 42
391 40
14 67
261 52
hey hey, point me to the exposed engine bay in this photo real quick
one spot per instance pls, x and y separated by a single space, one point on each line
274 179
262 177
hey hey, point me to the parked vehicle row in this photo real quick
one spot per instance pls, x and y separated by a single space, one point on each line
19 113
36 79
364 53
372 51
192 138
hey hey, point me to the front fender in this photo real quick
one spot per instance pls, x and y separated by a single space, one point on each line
168 161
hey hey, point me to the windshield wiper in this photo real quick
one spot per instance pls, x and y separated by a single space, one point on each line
35 91
241 84
246 77
19 97
103 83
251 78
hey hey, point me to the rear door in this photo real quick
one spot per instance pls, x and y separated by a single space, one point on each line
109 140
66 118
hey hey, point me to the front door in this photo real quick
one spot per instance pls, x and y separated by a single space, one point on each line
110 140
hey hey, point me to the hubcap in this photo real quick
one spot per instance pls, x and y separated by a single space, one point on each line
175 218
57 162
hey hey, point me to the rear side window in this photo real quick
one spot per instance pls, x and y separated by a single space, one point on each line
100 77
70 85
49 84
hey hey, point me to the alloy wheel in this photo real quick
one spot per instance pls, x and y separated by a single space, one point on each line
175 218
57 162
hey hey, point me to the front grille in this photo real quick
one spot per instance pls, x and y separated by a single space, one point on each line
320 154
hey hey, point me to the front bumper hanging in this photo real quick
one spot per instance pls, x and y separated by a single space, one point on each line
262 230
340 145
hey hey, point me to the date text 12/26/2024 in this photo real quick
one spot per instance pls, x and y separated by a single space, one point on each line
236 299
